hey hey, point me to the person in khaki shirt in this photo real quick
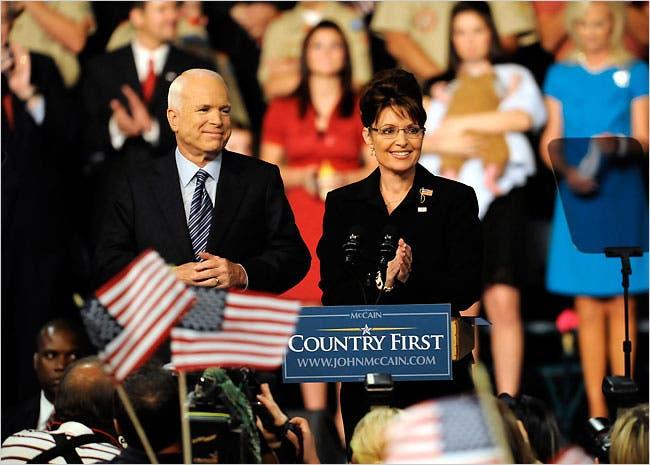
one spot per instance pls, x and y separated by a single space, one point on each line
279 71
58 30
417 33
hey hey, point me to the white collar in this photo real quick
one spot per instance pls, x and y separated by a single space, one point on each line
187 170
142 55
44 411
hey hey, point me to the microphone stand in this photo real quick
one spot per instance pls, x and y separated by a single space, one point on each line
624 253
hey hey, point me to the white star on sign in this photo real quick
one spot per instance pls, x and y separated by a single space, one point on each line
365 330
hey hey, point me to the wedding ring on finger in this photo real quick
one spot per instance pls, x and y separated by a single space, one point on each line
218 282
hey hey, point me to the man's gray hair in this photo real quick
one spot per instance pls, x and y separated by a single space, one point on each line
174 97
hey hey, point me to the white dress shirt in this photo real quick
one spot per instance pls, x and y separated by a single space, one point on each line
44 412
187 172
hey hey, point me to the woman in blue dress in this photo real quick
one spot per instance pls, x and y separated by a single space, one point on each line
600 91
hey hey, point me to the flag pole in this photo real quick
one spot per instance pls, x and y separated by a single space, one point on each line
136 423
490 409
185 420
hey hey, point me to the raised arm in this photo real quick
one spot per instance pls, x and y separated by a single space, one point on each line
70 33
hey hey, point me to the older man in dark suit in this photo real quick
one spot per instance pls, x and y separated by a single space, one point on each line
221 218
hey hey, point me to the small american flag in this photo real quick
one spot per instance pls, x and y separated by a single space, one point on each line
254 333
448 430
145 299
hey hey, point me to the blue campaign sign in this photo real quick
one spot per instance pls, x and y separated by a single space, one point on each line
344 343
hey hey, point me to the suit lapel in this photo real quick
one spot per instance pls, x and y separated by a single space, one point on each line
165 184
230 192
131 73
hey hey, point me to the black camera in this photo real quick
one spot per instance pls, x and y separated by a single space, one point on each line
216 426
598 438
620 393
220 422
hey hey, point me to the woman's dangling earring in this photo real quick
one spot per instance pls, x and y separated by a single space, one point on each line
372 150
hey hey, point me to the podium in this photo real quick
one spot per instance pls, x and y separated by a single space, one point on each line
407 342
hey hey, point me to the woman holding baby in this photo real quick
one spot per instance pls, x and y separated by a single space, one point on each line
475 134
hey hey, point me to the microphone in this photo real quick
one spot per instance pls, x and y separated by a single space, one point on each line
352 245
387 248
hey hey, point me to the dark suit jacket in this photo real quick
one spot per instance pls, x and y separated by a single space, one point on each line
447 250
102 81
445 241
35 230
252 221
24 416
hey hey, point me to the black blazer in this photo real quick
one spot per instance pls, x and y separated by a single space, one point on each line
102 81
24 416
445 239
447 250
252 221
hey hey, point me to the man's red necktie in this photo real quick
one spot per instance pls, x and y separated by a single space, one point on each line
8 106
149 83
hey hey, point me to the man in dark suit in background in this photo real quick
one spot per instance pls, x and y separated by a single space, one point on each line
125 91
222 218
37 258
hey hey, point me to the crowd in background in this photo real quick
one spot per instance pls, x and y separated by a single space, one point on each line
84 89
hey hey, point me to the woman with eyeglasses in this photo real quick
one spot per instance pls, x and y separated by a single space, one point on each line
431 222
471 140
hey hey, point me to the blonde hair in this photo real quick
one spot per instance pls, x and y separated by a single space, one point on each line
630 436
368 441
576 11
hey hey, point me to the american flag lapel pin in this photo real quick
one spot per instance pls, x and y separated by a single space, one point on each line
424 193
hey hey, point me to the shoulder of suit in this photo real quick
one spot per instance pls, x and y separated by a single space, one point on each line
249 163
187 60
103 59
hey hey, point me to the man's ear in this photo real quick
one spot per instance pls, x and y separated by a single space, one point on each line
35 360
172 118
136 16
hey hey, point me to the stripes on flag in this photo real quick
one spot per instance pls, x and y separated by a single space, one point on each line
147 300
254 333
449 430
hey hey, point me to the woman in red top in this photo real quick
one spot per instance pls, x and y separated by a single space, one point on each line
314 136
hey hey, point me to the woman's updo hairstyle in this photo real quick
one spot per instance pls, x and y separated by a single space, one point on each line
394 88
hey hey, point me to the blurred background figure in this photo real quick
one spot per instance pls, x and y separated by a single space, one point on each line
630 436
416 33
153 392
125 91
315 137
279 71
368 441
192 36
241 139
59 343
556 37
55 29
476 54
40 259
237 29
542 430
614 106
516 436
